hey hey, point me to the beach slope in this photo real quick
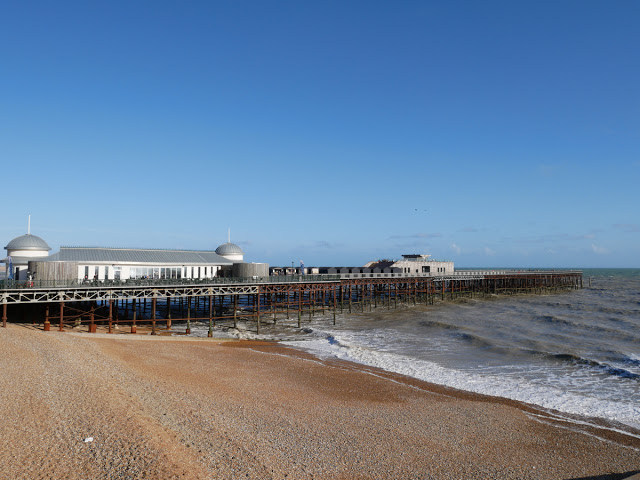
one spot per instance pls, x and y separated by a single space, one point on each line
82 406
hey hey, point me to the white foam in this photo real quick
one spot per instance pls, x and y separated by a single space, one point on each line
514 387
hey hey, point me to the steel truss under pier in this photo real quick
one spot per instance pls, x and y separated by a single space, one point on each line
261 302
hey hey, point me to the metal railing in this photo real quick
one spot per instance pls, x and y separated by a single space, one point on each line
150 282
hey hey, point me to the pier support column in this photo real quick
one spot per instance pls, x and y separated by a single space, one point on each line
210 333
258 313
299 310
92 325
61 328
110 314
335 305
4 315
188 331
235 311
135 312
168 313
154 301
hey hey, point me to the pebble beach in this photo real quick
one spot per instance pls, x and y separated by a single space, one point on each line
78 406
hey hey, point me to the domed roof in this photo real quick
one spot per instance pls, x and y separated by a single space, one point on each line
229 249
28 242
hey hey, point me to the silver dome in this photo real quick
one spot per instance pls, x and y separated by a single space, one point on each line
229 249
28 242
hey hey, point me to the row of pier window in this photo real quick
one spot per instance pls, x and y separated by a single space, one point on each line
157 273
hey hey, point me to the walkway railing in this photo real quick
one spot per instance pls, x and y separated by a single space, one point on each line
145 282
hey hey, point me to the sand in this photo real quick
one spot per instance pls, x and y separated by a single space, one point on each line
166 408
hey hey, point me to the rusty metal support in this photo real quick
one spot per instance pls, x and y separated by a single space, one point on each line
47 323
92 325
188 331
258 313
134 328
154 302
210 333
168 313
61 328
110 315
335 305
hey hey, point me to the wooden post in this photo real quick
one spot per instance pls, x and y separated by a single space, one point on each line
4 315
61 316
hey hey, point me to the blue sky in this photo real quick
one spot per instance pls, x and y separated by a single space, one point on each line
487 133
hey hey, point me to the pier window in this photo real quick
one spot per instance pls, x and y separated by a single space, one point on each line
86 271
106 272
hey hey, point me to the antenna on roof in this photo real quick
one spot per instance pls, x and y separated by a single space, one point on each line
229 231
29 226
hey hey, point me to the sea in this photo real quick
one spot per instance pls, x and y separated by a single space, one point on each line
574 351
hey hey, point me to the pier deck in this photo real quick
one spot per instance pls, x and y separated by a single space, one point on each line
255 299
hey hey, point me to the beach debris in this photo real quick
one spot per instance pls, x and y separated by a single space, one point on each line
88 440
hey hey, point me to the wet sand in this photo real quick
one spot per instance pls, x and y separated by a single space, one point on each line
165 408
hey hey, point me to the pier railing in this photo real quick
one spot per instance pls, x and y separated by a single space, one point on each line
150 282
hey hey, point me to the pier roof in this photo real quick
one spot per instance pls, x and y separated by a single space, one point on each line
136 256
27 242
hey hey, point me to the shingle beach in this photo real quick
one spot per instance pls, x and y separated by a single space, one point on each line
135 406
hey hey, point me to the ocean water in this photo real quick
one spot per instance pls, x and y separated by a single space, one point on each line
576 352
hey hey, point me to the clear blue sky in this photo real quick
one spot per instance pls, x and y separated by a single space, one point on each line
488 133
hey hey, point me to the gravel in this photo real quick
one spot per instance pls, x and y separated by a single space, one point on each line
167 408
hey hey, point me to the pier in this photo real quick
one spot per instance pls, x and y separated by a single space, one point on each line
172 306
